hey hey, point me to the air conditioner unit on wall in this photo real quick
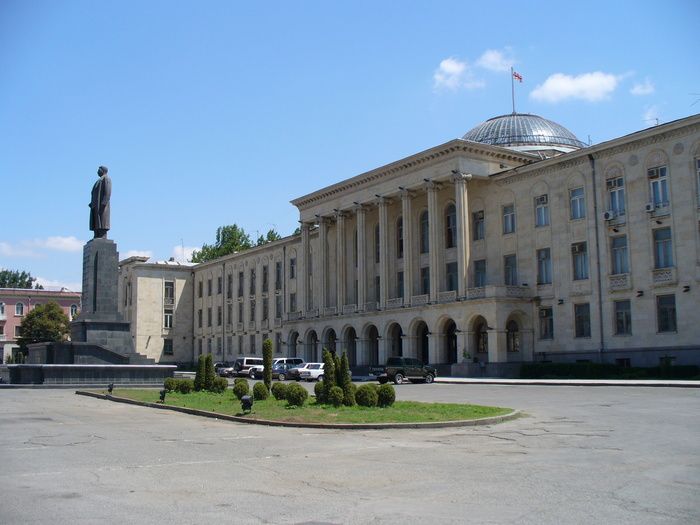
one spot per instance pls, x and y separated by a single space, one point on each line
608 215
649 207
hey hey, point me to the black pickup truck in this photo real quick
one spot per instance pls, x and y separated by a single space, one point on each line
398 369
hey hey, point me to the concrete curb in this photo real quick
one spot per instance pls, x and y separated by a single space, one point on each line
653 383
329 426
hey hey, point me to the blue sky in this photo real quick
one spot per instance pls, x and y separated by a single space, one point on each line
212 113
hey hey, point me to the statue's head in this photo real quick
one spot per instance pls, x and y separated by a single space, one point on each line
102 170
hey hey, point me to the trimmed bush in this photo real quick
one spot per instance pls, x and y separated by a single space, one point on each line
328 373
339 380
199 376
184 386
240 380
169 384
241 389
367 396
296 395
349 391
260 392
335 396
386 395
219 385
267 364
279 390
209 373
345 374
320 392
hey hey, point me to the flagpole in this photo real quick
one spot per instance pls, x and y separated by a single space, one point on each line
512 88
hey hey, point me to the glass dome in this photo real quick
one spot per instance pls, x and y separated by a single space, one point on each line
527 133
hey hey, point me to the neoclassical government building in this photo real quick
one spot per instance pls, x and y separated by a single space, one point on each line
514 243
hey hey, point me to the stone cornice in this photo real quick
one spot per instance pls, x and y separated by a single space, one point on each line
423 159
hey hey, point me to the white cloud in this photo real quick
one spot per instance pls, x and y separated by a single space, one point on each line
50 284
8 250
495 60
183 254
645 88
61 244
139 253
454 74
592 87
651 115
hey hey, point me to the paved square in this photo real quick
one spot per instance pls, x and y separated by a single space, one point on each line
582 455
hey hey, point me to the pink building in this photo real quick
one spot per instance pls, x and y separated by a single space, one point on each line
15 303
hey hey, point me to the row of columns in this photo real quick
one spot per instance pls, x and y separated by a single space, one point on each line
462 213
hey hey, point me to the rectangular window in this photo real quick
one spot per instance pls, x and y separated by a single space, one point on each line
229 345
663 248
666 313
618 249
17 331
623 318
278 275
19 309
200 288
265 308
252 311
219 316
510 270
252 344
219 285
209 287
240 312
199 318
579 258
167 347
582 320
278 343
169 292
292 268
278 306
377 284
541 211
209 346
577 203
168 318
478 225
451 227
399 284
480 273
240 344
425 280
451 276
546 323
218 345
229 314
544 266
508 218
251 291
229 285
399 239
658 186
616 196
376 243
200 346
265 279
292 302
240 284
209 316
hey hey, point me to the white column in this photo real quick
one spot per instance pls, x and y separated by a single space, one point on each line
323 263
433 224
361 258
463 221
303 290
383 251
407 220
340 260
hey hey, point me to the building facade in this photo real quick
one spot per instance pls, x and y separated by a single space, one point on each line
15 303
515 243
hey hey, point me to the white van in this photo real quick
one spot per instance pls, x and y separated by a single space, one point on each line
257 370
244 366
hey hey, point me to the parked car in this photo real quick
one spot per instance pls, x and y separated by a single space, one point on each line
313 372
279 371
223 369
295 373
242 366
258 370
399 368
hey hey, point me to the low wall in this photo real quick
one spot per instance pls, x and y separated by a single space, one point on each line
89 374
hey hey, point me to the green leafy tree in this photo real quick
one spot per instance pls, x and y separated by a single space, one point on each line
270 236
229 239
328 373
209 373
201 372
345 367
267 363
17 279
45 323
337 361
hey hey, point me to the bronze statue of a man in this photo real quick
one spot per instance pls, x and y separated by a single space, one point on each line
99 204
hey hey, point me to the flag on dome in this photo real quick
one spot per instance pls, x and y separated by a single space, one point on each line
517 76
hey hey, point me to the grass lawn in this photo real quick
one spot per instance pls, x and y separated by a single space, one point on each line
400 412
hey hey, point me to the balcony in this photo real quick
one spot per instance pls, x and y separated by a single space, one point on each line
372 306
394 303
278 322
349 309
449 296
476 293
664 276
251 325
294 316
420 300
330 311
265 323
312 313
169 301
239 327
619 282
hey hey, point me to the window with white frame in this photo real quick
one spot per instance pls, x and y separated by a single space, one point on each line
19 309
666 313
18 331
168 318
169 292
167 347
577 203
480 273
623 317
508 218
544 266
541 211
658 186
579 257
546 316
618 250
582 320
616 196
510 270
663 248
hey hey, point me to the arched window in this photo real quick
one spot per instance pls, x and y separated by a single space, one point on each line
424 233
450 226
19 308
399 238
512 336
73 310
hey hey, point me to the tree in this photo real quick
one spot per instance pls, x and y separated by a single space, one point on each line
45 323
229 239
267 363
328 373
201 372
209 373
270 236
17 279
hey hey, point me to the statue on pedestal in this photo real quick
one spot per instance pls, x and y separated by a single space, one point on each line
99 204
